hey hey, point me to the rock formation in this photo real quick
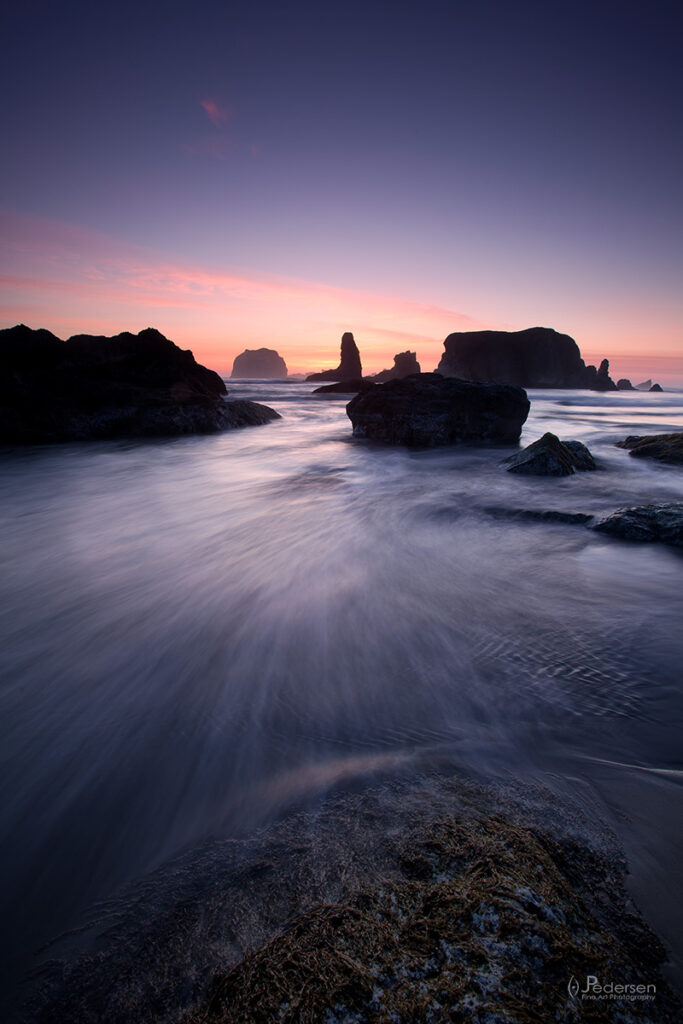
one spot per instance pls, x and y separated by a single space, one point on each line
95 387
535 358
349 364
656 387
662 447
658 522
551 457
624 384
345 387
405 364
428 409
259 363
644 385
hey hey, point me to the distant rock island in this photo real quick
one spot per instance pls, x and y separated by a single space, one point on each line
95 387
405 364
262 363
538 357
349 364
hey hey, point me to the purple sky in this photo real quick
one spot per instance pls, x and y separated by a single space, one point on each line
261 173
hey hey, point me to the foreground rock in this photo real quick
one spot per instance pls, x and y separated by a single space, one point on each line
349 363
538 357
430 410
345 387
405 365
259 363
658 522
551 457
662 447
94 387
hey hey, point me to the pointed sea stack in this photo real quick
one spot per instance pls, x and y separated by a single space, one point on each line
349 366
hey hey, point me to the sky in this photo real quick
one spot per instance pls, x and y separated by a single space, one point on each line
251 174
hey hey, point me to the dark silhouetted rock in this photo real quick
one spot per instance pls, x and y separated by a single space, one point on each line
644 385
659 522
94 387
538 357
540 515
405 365
662 447
656 387
259 363
345 387
349 364
551 457
624 384
428 409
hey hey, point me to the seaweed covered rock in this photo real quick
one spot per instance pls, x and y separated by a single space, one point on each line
349 363
428 410
551 457
657 522
661 447
259 363
95 387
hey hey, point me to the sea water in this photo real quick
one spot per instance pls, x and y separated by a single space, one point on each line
198 634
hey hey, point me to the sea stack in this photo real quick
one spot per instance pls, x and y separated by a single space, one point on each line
405 365
538 357
349 364
260 363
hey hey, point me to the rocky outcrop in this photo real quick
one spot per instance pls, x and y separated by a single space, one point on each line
95 387
624 384
551 457
428 409
345 387
259 363
658 522
661 447
656 387
535 358
405 365
349 363
644 385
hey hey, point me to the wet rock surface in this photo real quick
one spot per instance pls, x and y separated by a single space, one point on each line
661 447
91 387
345 387
657 522
429 410
551 457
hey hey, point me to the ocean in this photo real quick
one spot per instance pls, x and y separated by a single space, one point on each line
200 636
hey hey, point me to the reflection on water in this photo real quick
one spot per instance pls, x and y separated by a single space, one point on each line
196 633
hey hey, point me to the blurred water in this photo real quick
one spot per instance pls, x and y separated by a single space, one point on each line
196 633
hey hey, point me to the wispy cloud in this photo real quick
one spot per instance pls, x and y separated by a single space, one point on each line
218 114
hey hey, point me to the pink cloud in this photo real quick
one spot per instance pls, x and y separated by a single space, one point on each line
217 114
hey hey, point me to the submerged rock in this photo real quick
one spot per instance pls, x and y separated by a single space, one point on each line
658 522
551 457
428 409
540 515
261 363
405 365
661 447
349 363
345 387
538 357
95 387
